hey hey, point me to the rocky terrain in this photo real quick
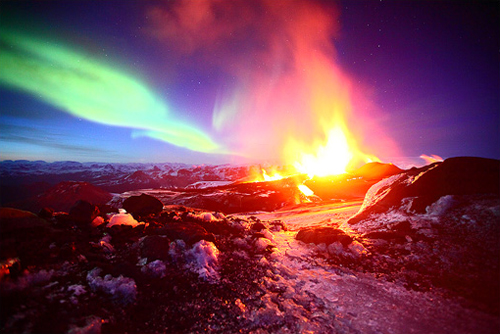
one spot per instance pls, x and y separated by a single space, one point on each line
420 254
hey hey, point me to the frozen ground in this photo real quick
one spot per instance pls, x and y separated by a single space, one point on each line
313 214
340 300
198 272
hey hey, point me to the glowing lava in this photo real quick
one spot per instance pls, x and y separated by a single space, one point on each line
275 176
332 158
305 190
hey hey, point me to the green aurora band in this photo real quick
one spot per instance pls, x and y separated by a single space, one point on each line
88 89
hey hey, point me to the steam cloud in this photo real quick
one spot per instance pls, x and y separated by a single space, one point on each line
280 56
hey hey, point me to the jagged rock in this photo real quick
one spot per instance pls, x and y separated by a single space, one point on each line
83 212
143 205
424 186
323 235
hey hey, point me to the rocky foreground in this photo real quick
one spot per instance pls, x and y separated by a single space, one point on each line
420 256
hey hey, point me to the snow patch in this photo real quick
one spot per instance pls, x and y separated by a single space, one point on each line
155 269
203 260
122 219
441 206
123 290
27 280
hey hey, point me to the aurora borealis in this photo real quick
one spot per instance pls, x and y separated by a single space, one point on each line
91 90
209 81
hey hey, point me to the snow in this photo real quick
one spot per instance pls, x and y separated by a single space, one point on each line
123 219
123 290
27 280
208 184
77 289
304 293
203 260
441 206
155 269
310 215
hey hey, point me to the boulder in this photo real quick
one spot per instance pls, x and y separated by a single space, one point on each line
143 205
424 186
83 212
323 235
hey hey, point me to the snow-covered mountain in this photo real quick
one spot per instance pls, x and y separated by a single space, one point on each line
17 177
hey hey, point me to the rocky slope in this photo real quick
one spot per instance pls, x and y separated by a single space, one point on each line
394 267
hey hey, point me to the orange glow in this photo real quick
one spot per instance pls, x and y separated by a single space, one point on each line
331 158
333 148
262 175
305 190
275 176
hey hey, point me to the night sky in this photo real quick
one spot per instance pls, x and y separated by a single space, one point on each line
216 81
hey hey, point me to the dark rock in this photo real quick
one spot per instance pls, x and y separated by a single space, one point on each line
105 209
13 220
323 235
403 227
83 212
454 176
190 233
46 213
143 205
155 247
259 226
124 235
117 230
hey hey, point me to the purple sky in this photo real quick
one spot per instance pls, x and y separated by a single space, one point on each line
222 81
